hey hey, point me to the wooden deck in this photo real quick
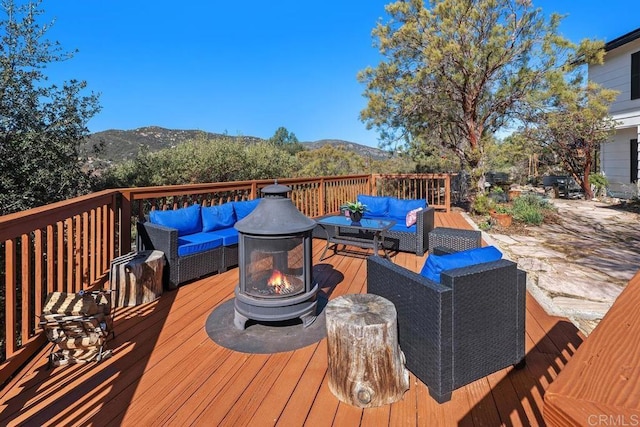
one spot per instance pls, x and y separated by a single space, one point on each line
165 370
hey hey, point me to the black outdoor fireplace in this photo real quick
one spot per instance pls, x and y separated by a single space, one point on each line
275 262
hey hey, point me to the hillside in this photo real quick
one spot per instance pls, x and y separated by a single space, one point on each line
119 145
362 150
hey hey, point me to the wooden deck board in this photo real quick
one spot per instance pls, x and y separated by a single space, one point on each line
165 370
601 384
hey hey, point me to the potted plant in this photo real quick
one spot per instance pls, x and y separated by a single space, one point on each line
502 214
354 210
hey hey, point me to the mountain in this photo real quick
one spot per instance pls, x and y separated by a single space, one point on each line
119 145
362 150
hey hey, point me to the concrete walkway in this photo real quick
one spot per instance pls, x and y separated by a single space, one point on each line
577 267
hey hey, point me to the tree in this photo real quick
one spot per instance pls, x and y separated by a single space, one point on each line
330 161
286 140
41 124
202 159
512 155
575 123
456 72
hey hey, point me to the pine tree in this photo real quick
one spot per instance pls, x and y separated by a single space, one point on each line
41 125
455 72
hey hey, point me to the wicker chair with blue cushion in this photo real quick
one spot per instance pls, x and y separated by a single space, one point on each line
195 240
460 319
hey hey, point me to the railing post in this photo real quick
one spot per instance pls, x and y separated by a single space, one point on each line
447 192
125 223
322 197
10 309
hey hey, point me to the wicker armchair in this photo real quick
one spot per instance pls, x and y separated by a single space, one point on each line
417 242
453 333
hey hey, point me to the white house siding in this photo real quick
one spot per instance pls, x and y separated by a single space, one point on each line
615 74
614 156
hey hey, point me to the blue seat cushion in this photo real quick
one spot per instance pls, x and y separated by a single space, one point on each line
436 264
198 242
402 226
218 217
229 236
398 208
185 220
244 208
377 206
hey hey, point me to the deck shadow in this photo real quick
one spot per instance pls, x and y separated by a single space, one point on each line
263 337
543 363
93 384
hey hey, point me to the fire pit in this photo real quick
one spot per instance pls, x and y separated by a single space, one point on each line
275 262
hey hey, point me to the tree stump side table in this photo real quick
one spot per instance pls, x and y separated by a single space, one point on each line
366 365
138 278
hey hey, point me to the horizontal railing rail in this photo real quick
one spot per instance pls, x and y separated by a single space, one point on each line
68 246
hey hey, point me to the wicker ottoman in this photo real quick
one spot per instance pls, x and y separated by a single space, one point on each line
454 239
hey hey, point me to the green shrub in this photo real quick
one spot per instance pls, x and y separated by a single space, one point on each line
530 208
505 209
485 225
482 204
599 181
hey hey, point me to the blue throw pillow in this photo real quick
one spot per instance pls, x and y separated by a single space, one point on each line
398 209
185 220
218 217
244 208
377 206
436 264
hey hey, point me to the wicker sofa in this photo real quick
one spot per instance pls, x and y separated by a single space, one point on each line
195 240
457 331
401 237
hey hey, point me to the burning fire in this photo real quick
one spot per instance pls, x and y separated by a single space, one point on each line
279 284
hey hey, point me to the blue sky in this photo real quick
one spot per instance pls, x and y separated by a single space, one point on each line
247 68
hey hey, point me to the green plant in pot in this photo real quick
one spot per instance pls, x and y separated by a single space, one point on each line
502 214
355 210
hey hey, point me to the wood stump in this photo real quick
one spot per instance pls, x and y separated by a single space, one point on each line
366 365
139 279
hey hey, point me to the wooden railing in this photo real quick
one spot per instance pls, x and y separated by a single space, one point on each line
68 246
65 246
436 190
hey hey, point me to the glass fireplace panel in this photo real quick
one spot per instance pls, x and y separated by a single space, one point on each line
274 266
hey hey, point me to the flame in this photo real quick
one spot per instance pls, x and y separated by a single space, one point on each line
279 284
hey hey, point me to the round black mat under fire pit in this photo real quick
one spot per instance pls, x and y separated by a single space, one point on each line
264 337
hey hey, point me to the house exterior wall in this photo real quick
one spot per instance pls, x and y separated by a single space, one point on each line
615 74
614 156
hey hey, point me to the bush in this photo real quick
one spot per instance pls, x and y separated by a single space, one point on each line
600 182
482 204
530 209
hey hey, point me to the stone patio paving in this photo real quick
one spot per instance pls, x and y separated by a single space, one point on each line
577 267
